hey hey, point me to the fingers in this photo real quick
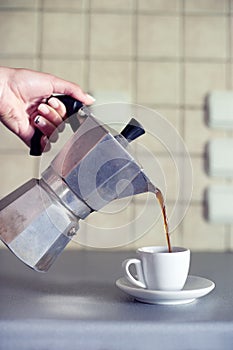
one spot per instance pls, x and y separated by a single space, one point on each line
54 111
64 87
88 100
57 106
47 128
49 121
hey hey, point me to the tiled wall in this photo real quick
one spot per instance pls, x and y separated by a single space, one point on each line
163 54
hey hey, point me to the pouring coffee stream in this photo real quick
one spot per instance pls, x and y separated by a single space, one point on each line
164 214
92 169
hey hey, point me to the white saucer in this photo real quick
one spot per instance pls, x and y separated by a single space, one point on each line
195 287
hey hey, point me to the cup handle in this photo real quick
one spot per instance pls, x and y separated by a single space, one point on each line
138 265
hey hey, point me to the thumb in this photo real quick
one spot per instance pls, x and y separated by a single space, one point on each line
61 86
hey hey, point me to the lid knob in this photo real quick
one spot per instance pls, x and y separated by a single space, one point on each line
132 130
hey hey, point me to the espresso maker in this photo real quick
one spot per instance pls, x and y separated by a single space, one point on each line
93 168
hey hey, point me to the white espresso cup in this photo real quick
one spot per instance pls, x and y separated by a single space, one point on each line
158 269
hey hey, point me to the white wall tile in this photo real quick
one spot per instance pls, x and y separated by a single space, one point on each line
207 6
158 82
18 32
155 136
231 28
172 115
220 158
19 4
30 63
220 109
110 81
219 201
159 169
200 79
63 5
159 5
158 36
111 35
231 74
63 34
205 37
72 70
15 170
11 142
197 133
201 179
199 235
112 5
110 227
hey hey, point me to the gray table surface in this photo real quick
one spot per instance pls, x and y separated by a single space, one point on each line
76 305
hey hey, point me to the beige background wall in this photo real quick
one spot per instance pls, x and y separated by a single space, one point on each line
163 54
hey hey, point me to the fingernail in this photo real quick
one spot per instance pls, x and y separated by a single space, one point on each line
43 109
39 120
53 102
90 97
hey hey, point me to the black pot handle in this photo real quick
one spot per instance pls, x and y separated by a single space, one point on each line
72 106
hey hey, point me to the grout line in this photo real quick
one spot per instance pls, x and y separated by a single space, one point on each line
134 87
118 11
228 48
209 60
182 88
182 71
134 95
39 35
114 12
87 49
230 40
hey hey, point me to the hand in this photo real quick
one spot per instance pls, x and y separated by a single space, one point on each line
22 93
